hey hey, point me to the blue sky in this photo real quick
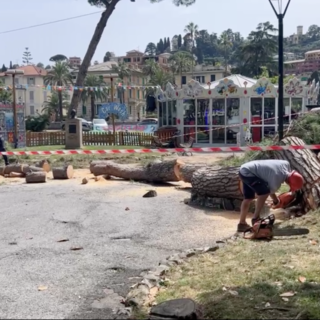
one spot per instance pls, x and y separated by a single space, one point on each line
132 25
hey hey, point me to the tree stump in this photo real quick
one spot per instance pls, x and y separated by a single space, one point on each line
65 172
176 309
308 165
157 171
13 168
36 177
43 164
2 170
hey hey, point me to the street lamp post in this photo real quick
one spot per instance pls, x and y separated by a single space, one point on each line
14 72
280 15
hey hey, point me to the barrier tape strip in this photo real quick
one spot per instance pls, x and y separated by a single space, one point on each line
173 150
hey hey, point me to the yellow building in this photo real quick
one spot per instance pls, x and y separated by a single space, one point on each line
29 88
130 92
201 73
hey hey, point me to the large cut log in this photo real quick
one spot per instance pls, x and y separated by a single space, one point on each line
2 170
65 172
36 177
44 165
157 171
308 165
217 182
28 169
14 168
15 175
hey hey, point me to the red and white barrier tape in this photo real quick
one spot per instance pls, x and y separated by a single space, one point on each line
128 151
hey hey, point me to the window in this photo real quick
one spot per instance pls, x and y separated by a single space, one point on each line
213 77
31 82
45 95
183 80
84 110
31 96
16 80
200 79
32 110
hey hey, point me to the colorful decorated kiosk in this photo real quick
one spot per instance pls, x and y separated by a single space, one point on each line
213 114
7 124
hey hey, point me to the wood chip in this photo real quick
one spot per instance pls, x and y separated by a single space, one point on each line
313 242
287 294
76 248
234 293
42 288
302 279
63 240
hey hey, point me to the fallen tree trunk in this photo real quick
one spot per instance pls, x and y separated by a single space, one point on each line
157 171
36 177
65 172
308 165
97 162
16 175
184 171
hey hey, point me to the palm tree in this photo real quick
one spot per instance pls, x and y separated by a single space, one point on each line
192 31
160 78
52 104
226 44
123 71
59 75
96 90
181 62
150 67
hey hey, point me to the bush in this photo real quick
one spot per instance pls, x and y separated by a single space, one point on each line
37 124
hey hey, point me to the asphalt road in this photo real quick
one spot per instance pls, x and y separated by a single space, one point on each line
117 244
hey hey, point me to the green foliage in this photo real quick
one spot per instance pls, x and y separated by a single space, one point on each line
5 95
58 57
26 57
37 123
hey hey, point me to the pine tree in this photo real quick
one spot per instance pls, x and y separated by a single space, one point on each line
11 66
161 46
26 57
179 41
4 68
168 44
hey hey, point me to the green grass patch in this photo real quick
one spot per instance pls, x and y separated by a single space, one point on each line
245 279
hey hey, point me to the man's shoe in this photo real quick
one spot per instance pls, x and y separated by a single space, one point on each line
243 227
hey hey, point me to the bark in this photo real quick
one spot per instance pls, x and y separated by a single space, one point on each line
2 168
308 165
60 104
217 182
28 169
157 171
95 162
36 177
44 164
90 52
65 172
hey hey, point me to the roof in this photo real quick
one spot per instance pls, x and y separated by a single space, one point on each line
313 51
294 61
134 51
31 70
237 79
103 67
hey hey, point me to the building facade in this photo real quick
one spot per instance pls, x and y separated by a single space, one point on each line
30 90
202 74
74 62
309 64
217 113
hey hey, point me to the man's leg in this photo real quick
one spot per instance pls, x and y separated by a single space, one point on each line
249 195
245 205
261 200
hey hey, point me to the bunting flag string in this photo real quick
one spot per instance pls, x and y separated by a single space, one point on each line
75 88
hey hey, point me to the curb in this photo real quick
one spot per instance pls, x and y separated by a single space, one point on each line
144 292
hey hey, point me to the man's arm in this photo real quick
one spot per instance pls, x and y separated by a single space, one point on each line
274 198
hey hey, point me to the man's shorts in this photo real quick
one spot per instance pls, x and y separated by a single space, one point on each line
253 186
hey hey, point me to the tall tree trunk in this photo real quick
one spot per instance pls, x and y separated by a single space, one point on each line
60 106
90 53
92 106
